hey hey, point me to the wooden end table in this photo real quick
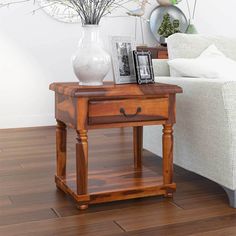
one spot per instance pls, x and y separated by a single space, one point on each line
158 52
114 106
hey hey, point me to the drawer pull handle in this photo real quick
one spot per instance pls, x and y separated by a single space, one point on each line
122 111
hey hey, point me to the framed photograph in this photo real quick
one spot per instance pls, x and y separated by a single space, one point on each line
122 58
144 68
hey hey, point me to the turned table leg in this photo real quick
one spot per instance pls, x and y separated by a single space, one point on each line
138 146
82 165
61 148
167 141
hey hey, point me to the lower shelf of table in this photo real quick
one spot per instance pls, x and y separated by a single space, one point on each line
114 185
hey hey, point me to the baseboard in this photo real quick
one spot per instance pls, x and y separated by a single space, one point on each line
12 122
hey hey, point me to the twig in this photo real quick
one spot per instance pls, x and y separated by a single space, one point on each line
189 10
194 9
90 11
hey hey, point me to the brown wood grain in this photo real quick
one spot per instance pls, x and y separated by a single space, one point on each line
5 201
82 164
82 114
62 227
230 231
122 121
172 109
109 106
65 109
61 135
162 54
36 215
117 184
138 146
105 125
220 224
168 145
175 217
150 109
31 205
158 52
109 89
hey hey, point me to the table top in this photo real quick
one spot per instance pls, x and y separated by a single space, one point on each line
159 47
109 89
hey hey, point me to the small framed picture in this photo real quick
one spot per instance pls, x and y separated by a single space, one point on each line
122 58
144 68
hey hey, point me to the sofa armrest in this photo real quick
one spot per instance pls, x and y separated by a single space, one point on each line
229 98
206 127
161 67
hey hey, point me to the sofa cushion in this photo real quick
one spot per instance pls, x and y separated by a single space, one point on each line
191 46
205 132
212 63
161 67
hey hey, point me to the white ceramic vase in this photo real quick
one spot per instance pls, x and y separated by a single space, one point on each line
91 62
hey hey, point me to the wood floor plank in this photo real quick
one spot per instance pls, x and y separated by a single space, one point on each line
95 216
200 227
30 204
168 217
99 229
61 226
230 231
5 201
121 208
203 201
21 217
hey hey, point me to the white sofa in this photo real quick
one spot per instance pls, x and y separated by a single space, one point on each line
205 133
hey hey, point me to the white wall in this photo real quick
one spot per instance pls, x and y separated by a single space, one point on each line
214 17
36 51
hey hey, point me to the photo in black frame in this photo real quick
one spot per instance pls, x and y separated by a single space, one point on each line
143 67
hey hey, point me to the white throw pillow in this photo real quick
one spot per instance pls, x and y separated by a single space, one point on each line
212 63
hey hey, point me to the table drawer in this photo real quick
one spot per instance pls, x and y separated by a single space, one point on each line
128 110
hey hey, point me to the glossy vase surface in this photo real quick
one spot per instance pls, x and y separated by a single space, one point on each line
91 62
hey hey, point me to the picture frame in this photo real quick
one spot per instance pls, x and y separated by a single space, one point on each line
144 67
122 59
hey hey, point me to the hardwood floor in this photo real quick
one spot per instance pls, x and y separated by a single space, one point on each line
30 204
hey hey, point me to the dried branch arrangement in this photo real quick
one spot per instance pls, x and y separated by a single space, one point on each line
90 11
